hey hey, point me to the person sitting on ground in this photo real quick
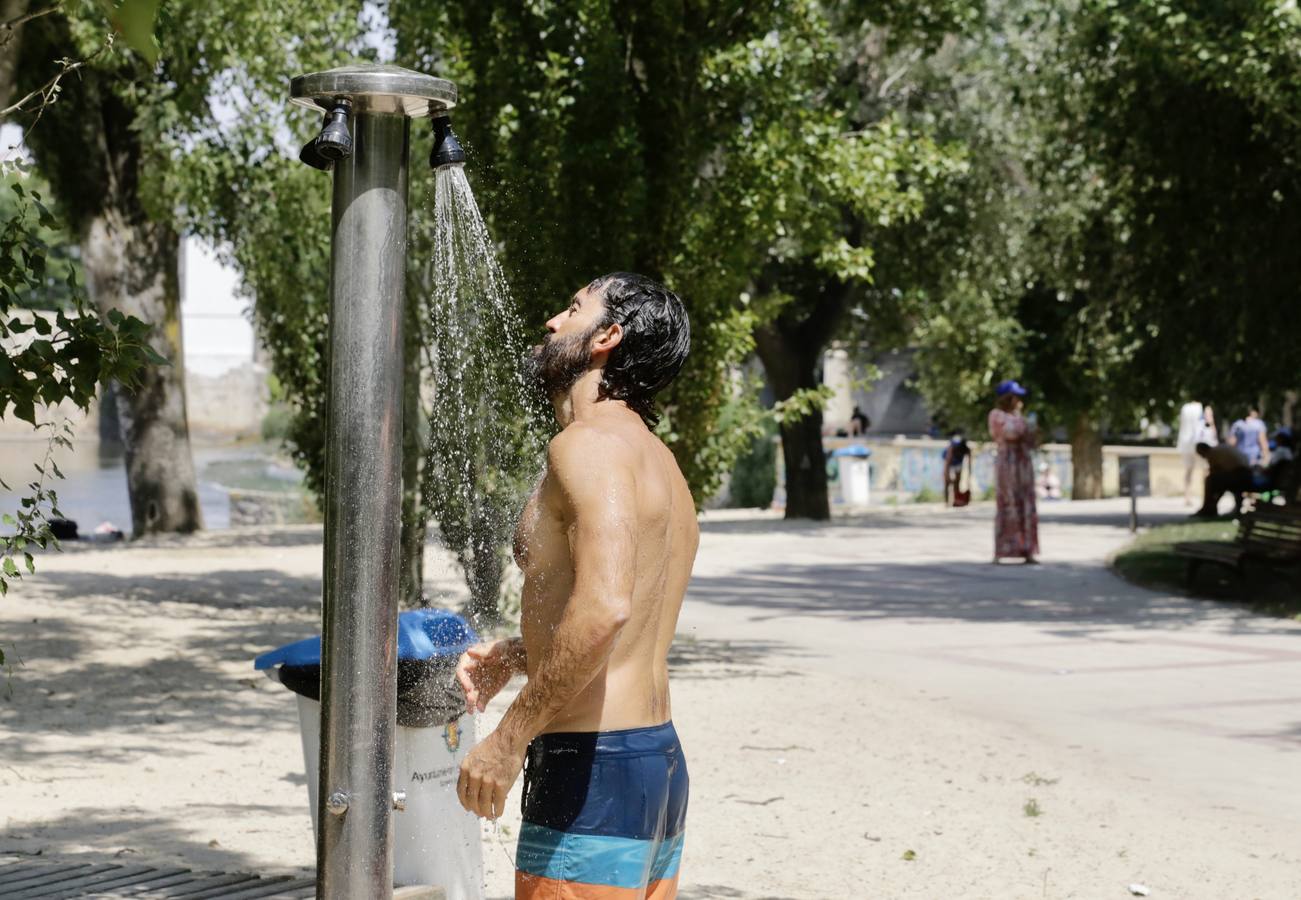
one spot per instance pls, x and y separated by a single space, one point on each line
1048 486
957 454
859 422
1282 473
1229 471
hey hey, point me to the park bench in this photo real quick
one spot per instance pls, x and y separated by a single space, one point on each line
1269 535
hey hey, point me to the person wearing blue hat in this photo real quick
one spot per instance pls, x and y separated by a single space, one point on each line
1016 522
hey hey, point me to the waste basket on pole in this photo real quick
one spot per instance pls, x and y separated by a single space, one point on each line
436 841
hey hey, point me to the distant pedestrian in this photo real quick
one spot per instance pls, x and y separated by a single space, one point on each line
1016 523
1049 486
1229 472
1249 435
957 456
1196 426
859 422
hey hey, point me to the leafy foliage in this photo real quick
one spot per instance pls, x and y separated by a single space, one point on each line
1123 238
50 359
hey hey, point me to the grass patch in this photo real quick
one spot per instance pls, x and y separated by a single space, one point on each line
1150 561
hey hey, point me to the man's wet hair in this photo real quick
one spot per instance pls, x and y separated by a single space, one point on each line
656 339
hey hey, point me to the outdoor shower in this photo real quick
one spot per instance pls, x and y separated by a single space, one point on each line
364 142
334 142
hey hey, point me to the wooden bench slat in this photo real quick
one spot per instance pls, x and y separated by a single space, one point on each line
93 884
204 884
1269 535
43 887
272 887
27 871
157 878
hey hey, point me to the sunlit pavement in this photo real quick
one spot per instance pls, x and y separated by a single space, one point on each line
870 709
1195 701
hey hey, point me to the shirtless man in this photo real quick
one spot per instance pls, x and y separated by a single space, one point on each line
606 544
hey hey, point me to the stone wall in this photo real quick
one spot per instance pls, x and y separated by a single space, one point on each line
901 468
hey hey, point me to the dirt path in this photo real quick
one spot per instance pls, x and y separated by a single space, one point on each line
869 709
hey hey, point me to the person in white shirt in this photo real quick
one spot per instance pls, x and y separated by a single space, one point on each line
1196 426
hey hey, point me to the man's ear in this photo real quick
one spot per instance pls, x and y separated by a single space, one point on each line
608 339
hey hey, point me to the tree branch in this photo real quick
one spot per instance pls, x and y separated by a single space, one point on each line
10 28
48 90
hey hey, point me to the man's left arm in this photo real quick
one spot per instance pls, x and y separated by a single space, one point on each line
598 503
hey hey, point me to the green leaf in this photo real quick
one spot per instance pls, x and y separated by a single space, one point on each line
134 19
9 568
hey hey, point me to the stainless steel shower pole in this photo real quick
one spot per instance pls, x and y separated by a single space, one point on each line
363 478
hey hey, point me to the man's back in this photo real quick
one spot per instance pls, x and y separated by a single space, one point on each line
609 471
1225 458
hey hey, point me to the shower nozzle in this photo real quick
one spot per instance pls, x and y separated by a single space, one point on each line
334 142
447 149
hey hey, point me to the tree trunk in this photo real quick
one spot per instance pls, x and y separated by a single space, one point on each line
131 265
790 365
10 45
806 468
1086 458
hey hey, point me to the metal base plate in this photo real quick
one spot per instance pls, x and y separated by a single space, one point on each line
375 90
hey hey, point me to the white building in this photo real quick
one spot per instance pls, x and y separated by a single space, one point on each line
225 382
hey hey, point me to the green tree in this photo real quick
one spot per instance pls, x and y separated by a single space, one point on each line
62 351
715 146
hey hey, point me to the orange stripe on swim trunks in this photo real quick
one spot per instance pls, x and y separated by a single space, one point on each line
535 887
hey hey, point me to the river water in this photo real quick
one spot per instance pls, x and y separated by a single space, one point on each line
94 487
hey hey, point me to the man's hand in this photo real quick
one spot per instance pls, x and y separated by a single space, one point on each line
484 670
487 774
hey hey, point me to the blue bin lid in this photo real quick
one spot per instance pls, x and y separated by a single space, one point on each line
422 634
852 450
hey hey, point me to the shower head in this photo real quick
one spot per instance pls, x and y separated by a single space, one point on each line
334 142
447 149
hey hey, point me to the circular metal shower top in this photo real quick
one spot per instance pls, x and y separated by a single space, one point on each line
378 90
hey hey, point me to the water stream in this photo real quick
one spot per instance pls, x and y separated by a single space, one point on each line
486 438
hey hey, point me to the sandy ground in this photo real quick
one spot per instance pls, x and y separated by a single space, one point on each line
868 707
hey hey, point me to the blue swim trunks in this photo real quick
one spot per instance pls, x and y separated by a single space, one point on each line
604 813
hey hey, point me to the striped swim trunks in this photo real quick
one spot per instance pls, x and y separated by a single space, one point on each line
603 816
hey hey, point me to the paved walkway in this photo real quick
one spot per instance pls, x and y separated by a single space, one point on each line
870 710
1193 709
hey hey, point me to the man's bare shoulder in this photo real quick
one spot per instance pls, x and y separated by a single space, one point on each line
588 460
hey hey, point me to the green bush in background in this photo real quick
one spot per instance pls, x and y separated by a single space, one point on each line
754 478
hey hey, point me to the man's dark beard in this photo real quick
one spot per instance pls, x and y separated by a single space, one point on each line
559 363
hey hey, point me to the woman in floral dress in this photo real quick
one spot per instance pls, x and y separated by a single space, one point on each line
1016 525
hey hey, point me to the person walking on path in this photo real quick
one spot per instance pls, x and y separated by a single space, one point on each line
606 543
1196 426
1249 435
957 456
1016 523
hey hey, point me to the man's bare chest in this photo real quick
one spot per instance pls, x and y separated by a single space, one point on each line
540 544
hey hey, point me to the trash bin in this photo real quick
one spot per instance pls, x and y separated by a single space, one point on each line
855 474
435 841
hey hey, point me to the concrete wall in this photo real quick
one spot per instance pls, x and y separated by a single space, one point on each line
890 402
903 467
